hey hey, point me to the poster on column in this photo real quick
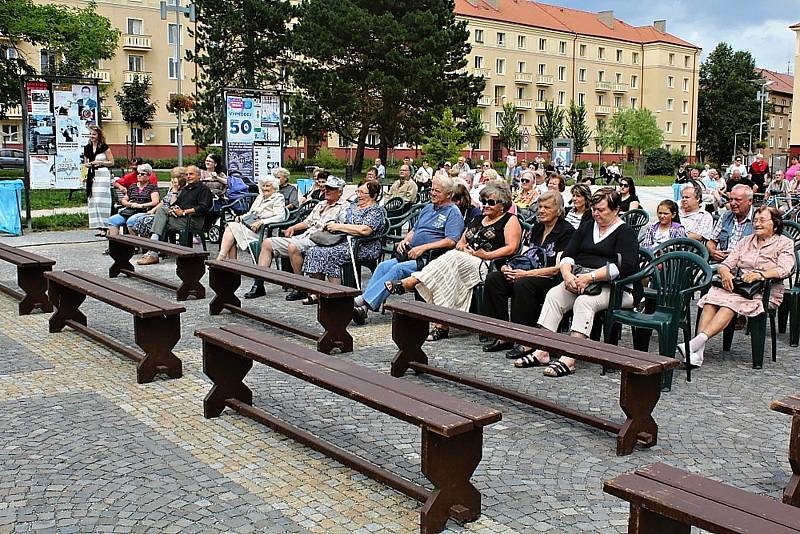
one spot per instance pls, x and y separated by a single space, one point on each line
43 172
253 133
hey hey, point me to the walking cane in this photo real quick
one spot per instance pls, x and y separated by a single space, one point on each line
353 261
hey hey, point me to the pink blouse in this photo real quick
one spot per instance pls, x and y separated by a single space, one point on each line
776 252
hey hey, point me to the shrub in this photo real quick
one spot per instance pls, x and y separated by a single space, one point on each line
660 161
327 160
61 221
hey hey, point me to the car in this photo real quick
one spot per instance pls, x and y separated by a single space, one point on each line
11 158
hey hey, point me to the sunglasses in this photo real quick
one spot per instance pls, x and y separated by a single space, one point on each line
525 181
624 185
143 173
490 202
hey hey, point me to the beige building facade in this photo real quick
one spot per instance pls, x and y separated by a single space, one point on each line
777 133
794 138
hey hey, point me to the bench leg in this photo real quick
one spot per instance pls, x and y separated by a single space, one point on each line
638 396
121 254
226 370
334 315
449 464
190 271
157 336
34 289
791 494
66 302
408 333
643 521
224 284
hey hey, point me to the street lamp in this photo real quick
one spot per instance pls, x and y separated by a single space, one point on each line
762 94
188 11
735 146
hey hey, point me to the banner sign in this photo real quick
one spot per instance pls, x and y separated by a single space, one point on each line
58 117
253 146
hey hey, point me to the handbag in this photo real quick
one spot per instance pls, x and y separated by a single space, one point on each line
249 219
324 238
127 212
533 258
744 289
592 289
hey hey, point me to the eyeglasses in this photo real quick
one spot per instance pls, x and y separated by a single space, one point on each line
624 185
490 202
487 166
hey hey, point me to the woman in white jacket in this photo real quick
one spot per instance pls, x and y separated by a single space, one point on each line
268 207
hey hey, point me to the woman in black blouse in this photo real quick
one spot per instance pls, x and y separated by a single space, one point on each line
605 250
527 288
628 199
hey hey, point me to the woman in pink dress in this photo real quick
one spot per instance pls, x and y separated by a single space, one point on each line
792 172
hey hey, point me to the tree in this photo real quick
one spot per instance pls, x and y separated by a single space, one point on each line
727 101
135 106
636 129
238 44
576 128
77 38
473 129
445 140
391 67
606 137
508 129
551 126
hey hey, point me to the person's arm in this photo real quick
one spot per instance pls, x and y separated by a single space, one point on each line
634 205
512 232
109 162
155 198
294 200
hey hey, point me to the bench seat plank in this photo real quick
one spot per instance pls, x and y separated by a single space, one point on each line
790 405
159 246
32 285
22 257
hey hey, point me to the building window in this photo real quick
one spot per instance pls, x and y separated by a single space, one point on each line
539 145
633 102
671 58
138 135
540 95
562 73
521 66
47 62
542 45
687 61
478 35
501 39
581 75
619 56
685 84
173 136
683 149
499 92
11 133
520 118
772 122
581 99
135 26
601 52
668 147
542 69
562 47
668 127
561 98
539 119
670 103
780 122
478 62
601 75
173 68
617 101
634 81
173 36
618 77
772 142
780 142
601 100
582 50
521 42
685 108
635 58
373 139
498 118
670 81
135 63
684 128
500 66
11 53
520 93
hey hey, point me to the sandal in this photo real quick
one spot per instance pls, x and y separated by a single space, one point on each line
529 360
437 333
559 369
101 233
395 287
310 300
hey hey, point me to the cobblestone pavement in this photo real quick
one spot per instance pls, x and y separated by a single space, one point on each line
84 448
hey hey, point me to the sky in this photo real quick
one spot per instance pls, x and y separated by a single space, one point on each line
761 28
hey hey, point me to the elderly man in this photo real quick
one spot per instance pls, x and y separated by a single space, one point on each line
461 165
698 222
737 178
438 229
297 238
188 212
734 224
404 187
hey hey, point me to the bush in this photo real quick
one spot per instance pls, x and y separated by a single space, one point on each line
660 161
327 160
582 164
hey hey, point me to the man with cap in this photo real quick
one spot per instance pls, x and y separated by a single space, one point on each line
297 238
404 187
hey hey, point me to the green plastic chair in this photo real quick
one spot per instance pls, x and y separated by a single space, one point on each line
789 310
274 229
674 277
636 219
757 327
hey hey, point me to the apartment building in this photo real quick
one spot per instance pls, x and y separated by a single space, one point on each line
531 53
147 47
794 139
779 89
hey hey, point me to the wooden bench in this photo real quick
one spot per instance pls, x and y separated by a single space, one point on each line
156 322
190 266
665 499
30 278
640 387
334 311
791 406
452 429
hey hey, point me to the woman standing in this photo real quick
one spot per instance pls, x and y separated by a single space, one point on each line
268 206
97 158
667 227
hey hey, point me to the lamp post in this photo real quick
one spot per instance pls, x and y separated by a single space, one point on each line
735 146
188 11
762 93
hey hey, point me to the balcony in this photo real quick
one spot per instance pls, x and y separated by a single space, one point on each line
14 112
136 42
131 75
482 73
617 110
485 101
523 103
540 105
523 77
104 75
544 79
619 87
602 110
602 86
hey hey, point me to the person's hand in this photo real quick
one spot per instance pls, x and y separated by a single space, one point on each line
256 225
582 281
751 276
289 232
416 252
461 247
570 282
719 255
727 279
401 247
505 268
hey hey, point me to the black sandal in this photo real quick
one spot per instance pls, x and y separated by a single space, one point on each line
437 333
310 300
395 287
529 360
560 368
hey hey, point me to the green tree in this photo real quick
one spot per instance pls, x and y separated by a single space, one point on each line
606 138
77 38
727 101
636 129
238 44
135 106
576 127
508 130
445 140
473 129
390 67
551 126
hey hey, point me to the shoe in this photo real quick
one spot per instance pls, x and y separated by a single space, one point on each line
255 292
518 352
311 300
147 259
360 315
497 346
483 338
296 295
196 240
694 358
558 369
437 333
395 287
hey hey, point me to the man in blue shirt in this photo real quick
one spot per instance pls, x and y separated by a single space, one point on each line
438 229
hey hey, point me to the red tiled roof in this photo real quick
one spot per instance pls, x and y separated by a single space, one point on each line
783 83
538 15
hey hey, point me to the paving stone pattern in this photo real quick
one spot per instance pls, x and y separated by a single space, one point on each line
83 447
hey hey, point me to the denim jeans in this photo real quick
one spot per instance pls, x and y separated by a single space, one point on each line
376 294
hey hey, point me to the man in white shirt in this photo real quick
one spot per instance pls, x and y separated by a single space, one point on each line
381 169
737 164
698 222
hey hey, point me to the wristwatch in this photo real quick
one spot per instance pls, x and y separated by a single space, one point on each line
593 276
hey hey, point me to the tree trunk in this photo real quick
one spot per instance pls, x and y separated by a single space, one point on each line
358 163
383 152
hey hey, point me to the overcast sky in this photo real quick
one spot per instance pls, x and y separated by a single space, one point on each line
762 28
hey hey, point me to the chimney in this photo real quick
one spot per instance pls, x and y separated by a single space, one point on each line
606 17
660 25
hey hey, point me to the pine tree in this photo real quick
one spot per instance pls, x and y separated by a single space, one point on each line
135 106
576 128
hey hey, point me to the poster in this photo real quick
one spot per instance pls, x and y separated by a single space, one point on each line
67 170
240 159
38 94
41 134
253 134
43 173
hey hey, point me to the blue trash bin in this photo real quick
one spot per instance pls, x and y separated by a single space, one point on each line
304 185
11 206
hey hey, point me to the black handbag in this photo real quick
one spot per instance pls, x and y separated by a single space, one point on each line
533 258
747 290
592 289
324 238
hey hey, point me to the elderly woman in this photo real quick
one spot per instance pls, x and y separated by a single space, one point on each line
597 253
667 227
139 198
527 288
289 192
526 195
268 207
556 183
362 219
763 255
778 187
141 223
581 200
697 222
448 280
320 176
